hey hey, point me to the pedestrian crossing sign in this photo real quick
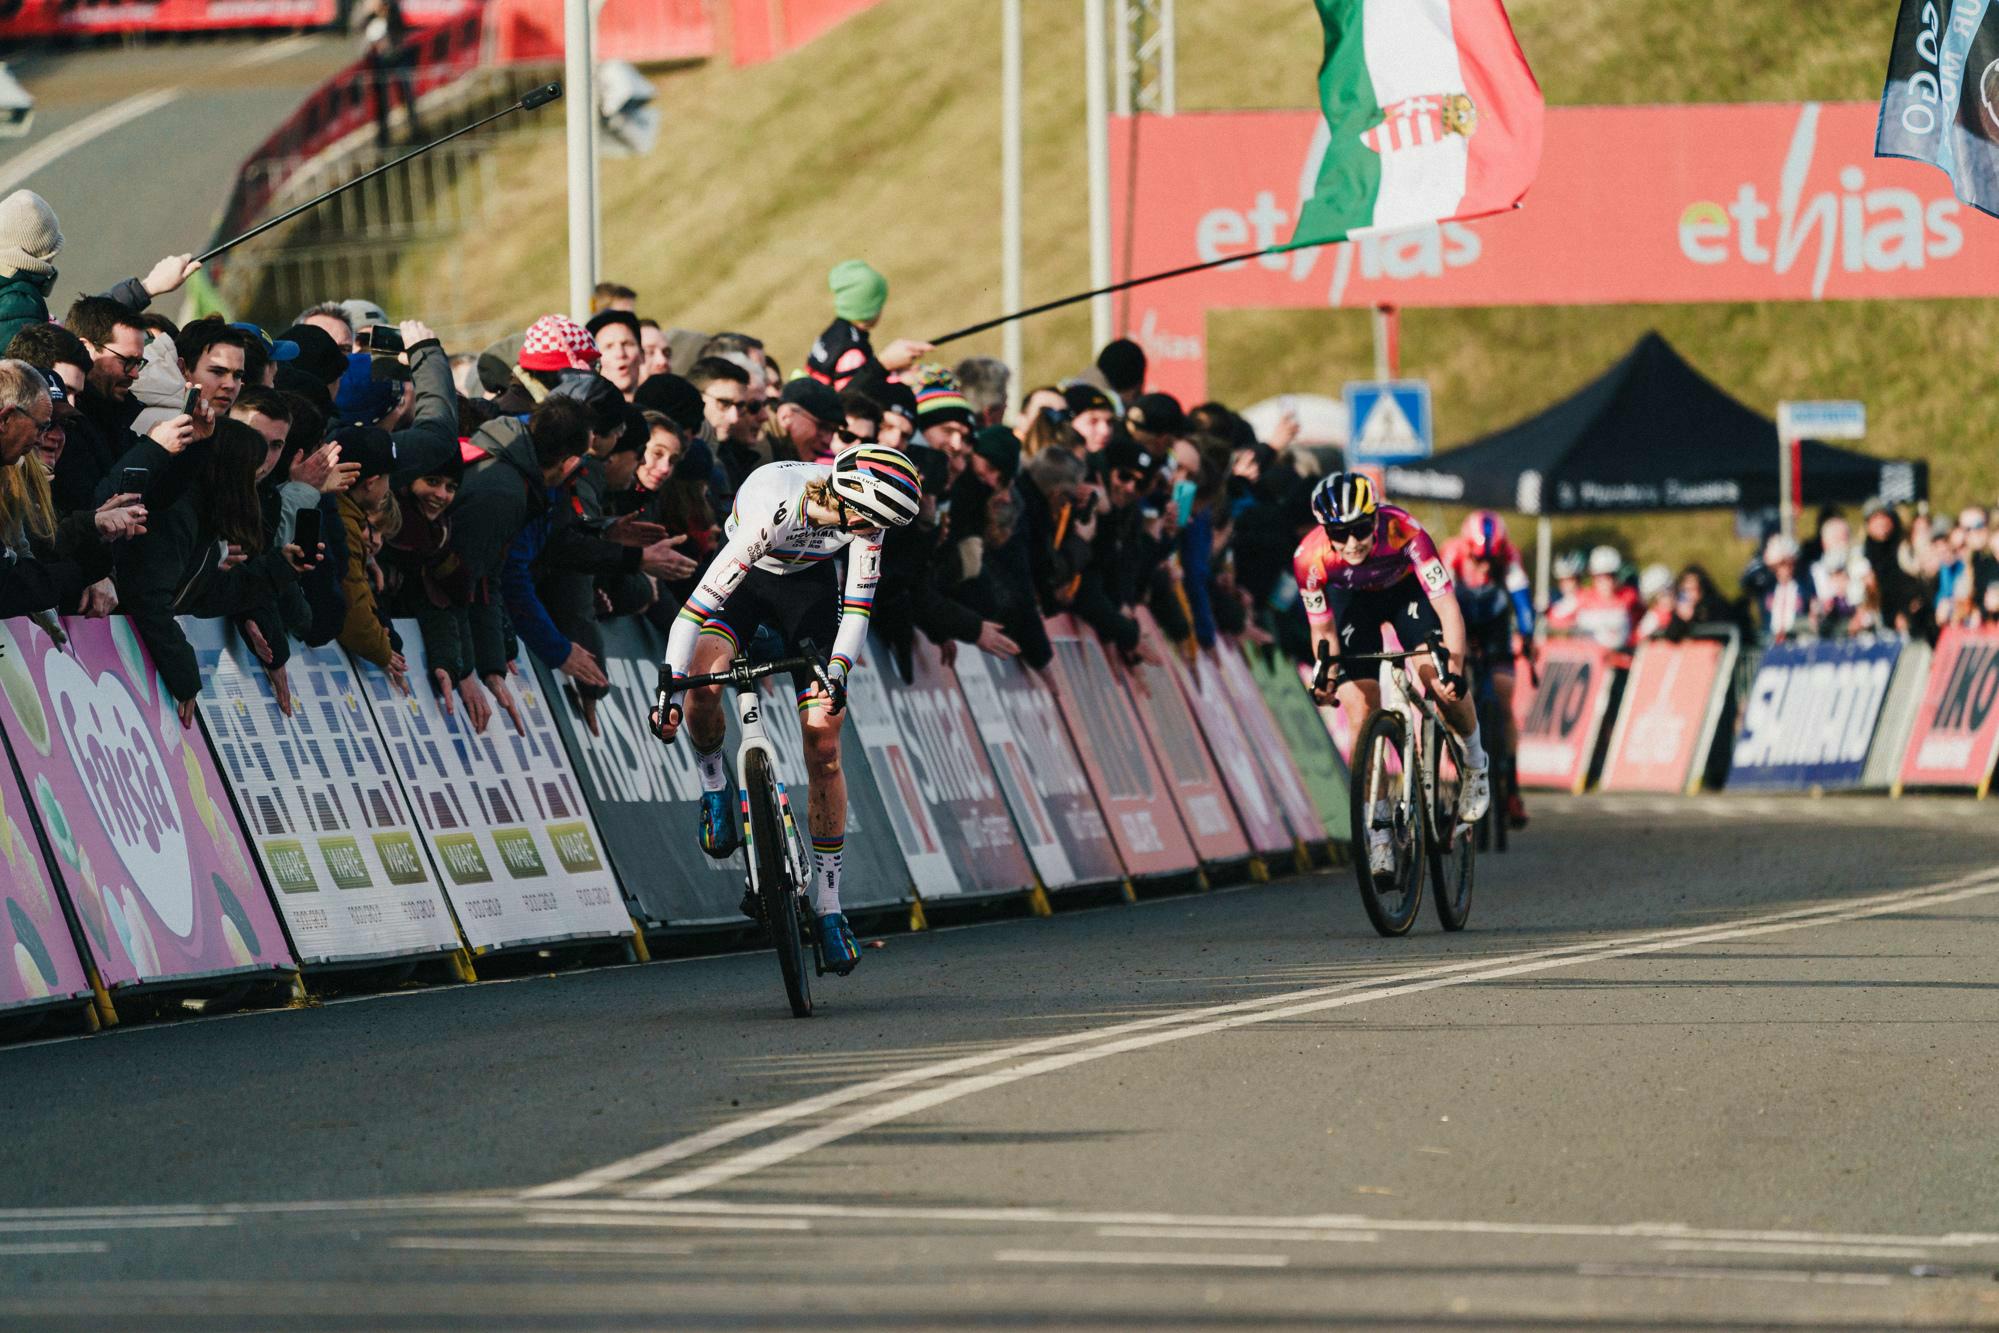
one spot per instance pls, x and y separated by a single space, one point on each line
1388 421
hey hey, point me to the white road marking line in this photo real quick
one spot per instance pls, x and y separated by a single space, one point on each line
115 1223
690 1223
471 1244
1143 1259
798 1144
41 156
1035 1216
1826 1251
57 1247
746 1126
1235 1233
1671 1273
269 53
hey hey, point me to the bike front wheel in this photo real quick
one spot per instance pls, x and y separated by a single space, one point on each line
1381 754
780 895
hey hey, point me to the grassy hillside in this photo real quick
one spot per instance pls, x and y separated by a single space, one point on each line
881 140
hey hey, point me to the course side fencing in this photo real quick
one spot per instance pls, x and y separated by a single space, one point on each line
1671 710
322 808
1561 716
1178 747
135 825
1956 733
1304 772
1812 714
1226 722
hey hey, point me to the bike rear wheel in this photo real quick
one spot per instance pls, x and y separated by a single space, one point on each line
780 895
1380 754
1453 850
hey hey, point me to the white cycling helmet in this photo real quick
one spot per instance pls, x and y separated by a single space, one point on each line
878 483
1605 560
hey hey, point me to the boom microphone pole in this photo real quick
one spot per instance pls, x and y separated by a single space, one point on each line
540 97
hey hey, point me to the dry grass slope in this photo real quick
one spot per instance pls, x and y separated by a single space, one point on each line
881 140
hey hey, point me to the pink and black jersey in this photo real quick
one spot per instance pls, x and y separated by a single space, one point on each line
1401 550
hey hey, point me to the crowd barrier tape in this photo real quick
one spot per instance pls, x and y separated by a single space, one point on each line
1561 716
501 813
644 795
1955 739
1667 720
766 29
944 801
1225 722
140 836
1109 740
321 806
1175 737
1282 731
1811 717
1046 787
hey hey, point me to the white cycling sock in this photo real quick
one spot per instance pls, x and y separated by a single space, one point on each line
827 856
1475 747
714 773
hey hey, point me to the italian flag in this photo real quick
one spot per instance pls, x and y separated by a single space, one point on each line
1432 114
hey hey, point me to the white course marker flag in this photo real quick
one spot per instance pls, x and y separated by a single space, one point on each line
1431 114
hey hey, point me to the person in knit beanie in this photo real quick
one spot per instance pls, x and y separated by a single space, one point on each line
842 354
30 240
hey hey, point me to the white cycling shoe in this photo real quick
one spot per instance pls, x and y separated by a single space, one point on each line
1381 852
1474 795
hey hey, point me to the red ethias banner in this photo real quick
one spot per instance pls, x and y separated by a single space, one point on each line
766 29
53 18
1638 204
1182 754
632 30
1957 731
1105 727
1559 718
1664 716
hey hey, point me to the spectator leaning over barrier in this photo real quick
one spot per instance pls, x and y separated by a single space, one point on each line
807 424
116 343
204 556
1017 544
552 346
1047 398
917 566
62 359
1656 596
1787 605
330 318
724 387
655 352
1092 414
365 631
425 579
843 353
987 383
943 418
898 406
1108 585
620 353
1608 609
206 370
1904 609
864 416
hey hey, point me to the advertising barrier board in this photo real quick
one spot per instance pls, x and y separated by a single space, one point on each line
1283 774
1136 802
38 960
1956 736
501 812
145 844
1810 718
1046 787
942 798
1559 718
321 805
1666 722
1168 721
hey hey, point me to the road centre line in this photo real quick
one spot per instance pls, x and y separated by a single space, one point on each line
56 1247
746 1126
688 1223
113 1223
1236 1233
1274 1008
1144 1259
1670 1273
481 1244
1814 1250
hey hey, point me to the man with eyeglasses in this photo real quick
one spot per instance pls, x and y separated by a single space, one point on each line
725 390
810 418
1368 565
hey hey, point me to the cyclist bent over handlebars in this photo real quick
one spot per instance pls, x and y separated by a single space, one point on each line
1367 565
788 523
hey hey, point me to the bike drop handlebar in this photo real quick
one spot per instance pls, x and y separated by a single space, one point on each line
1329 661
741 673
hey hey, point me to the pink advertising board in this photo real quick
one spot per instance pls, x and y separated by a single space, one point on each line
146 847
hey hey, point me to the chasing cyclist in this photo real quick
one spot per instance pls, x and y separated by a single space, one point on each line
1368 565
1497 603
777 570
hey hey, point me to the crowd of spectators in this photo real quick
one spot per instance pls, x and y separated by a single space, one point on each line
329 480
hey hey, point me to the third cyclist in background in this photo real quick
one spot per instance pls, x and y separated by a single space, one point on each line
1497 603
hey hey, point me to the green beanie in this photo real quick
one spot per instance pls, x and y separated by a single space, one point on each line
859 293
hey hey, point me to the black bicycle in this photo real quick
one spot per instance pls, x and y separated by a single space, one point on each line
776 864
1399 787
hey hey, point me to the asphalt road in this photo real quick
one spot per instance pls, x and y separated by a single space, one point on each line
1718 1063
137 147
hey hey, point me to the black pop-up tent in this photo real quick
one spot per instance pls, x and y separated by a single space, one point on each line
1650 433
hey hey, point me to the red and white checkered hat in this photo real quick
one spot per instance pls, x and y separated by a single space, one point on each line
557 342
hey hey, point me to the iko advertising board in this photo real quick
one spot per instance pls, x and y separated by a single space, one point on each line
1183 756
145 845
321 805
1633 204
943 800
501 812
1956 736
1110 741
1263 737
1666 722
1810 718
1046 787
1559 718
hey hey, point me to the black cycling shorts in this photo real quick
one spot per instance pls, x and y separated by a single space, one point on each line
1360 615
793 607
